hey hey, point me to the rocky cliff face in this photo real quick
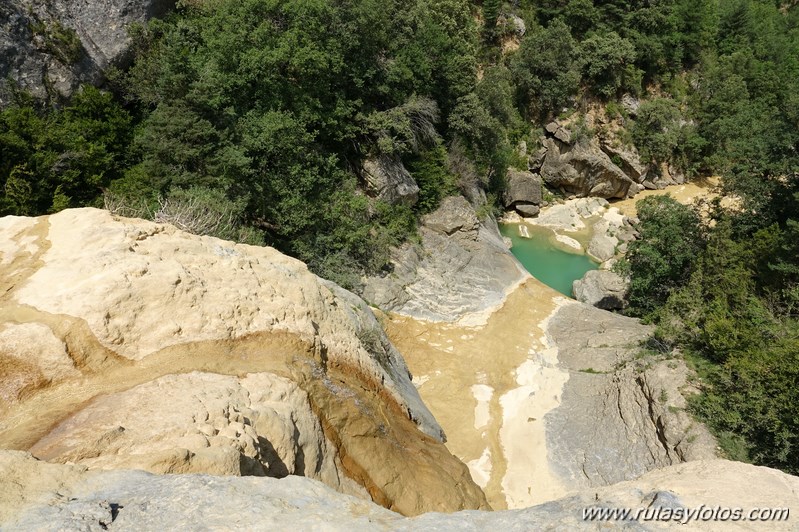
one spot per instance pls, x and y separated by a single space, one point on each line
50 47
619 416
43 496
586 155
126 343
461 267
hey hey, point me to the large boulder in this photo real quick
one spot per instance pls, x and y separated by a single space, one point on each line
583 169
627 159
522 191
600 164
602 289
127 343
527 210
462 266
602 246
389 180
50 47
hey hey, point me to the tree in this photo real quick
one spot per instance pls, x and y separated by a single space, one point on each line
656 129
490 15
608 64
545 70
662 259
62 158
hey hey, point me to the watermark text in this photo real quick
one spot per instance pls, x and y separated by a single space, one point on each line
685 515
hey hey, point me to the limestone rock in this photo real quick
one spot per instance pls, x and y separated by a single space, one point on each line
522 188
602 246
602 289
461 268
626 158
455 215
571 215
390 181
536 159
630 104
602 165
512 24
583 169
616 420
42 496
527 210
635 188
122 311
261 424
34 53
31 357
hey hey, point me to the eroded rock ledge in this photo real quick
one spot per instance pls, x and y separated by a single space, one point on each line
148 347
49 496
461 267
620 415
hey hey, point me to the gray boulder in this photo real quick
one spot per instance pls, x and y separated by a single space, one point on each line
454 215
50 47
583 169
602 289
536 159
559 132
522 187
389 180
527 210
602 246
512 24
630 104
626 158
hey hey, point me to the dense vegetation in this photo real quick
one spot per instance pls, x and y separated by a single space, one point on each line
724 290
252 118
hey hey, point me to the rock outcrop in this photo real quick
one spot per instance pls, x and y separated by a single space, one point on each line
619 417
599 164
41 496
126 343
388 180
522 192
461 267
601 229
602 289
584 170
49 48
260 424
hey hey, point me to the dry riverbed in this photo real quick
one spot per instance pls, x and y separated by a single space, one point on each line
489 387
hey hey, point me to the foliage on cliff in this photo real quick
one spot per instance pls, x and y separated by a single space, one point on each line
726 292
263 110
52 161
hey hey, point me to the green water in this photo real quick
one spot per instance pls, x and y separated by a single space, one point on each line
546 262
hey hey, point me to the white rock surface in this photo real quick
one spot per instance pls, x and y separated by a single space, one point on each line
143 287
126 343
261 424
39 496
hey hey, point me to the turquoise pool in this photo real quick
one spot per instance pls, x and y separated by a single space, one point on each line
546 262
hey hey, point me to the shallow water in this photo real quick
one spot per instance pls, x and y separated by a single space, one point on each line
545 260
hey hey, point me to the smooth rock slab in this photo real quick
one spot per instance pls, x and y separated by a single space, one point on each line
611 424
462 268
41 496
